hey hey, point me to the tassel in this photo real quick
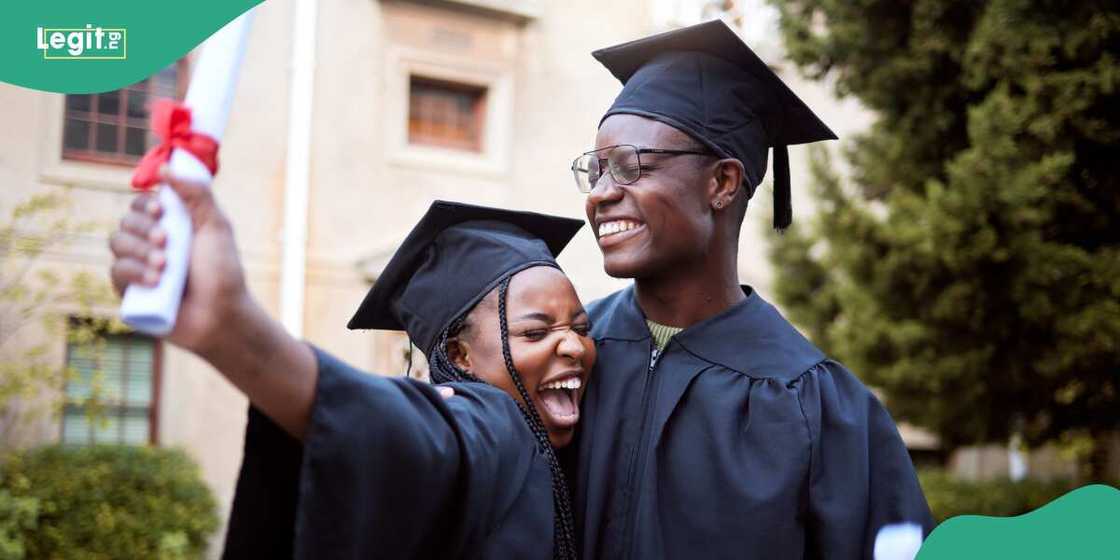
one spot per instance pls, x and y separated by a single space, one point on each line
783 203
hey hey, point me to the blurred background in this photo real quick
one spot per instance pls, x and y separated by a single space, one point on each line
958 248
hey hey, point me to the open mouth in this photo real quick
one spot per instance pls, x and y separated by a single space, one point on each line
615 231
560 401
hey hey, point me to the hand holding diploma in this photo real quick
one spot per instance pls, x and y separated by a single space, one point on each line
189 135
217 318
216 290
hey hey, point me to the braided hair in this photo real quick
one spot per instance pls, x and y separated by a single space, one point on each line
444 370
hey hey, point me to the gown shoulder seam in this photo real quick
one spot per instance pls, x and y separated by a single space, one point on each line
816 366
790 381
812 443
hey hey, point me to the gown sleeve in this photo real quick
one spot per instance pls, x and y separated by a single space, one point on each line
388 469
267 493
860 473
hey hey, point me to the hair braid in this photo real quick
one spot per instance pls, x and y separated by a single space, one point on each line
441 369
564 537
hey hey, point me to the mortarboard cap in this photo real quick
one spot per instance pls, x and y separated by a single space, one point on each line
451 259
705 81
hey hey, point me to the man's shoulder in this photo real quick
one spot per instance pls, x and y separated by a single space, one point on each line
755 339
605 305
608 314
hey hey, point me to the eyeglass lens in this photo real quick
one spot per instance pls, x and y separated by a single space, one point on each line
621 161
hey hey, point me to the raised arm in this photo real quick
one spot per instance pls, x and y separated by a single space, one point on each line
218 318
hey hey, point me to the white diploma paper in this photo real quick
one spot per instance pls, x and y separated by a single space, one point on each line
900 541
209 96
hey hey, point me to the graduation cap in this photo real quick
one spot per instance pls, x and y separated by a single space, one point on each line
451 259
705 81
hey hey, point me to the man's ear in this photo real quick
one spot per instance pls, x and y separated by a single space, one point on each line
727 178
459 352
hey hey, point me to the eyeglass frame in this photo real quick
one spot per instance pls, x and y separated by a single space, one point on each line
638 154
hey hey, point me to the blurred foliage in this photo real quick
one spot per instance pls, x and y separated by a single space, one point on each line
972 269
17 515
949 496
104 502
34 293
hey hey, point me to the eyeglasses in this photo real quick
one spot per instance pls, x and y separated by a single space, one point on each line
623 161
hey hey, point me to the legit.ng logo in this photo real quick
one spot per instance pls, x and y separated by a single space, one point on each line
88 43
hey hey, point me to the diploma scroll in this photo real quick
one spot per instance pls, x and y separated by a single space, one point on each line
209 96
899 541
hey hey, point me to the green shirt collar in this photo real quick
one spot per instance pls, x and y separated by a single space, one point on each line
661 334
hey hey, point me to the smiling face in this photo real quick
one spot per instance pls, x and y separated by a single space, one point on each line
549 342
661 222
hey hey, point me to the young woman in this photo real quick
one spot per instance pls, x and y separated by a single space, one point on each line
342 463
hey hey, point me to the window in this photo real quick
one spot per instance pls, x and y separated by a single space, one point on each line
112 127
446 114
450 113
120 373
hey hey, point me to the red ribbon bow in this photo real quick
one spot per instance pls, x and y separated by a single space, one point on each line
171 121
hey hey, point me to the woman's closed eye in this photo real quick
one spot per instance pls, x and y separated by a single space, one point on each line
535 334
539 333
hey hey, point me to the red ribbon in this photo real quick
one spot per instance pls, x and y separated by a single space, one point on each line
171 121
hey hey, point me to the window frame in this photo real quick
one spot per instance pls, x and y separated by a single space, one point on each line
493 160
122 122
153 406
480 94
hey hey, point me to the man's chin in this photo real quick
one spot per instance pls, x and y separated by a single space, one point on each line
621 266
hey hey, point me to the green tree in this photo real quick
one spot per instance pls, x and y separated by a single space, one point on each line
971 269
33 292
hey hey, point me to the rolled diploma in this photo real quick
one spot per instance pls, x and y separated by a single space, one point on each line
900 541
209 96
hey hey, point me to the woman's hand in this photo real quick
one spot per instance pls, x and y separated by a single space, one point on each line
215 297
218 319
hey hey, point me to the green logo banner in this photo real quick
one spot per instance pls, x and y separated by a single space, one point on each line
1083 524
76 46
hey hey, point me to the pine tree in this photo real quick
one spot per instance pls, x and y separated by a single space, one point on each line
970 267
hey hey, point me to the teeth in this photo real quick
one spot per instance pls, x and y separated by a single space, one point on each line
570 383
617 226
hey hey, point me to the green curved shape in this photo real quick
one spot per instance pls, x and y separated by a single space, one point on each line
152 34
1083 524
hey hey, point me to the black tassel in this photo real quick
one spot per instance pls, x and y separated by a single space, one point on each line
783 203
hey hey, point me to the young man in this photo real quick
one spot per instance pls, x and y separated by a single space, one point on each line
714 429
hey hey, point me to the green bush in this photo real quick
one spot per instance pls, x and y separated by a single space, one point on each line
17 515
949 496
103 502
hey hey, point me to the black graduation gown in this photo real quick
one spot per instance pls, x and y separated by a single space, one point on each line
389 469
742 440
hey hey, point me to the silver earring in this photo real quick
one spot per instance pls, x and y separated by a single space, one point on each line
719 204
